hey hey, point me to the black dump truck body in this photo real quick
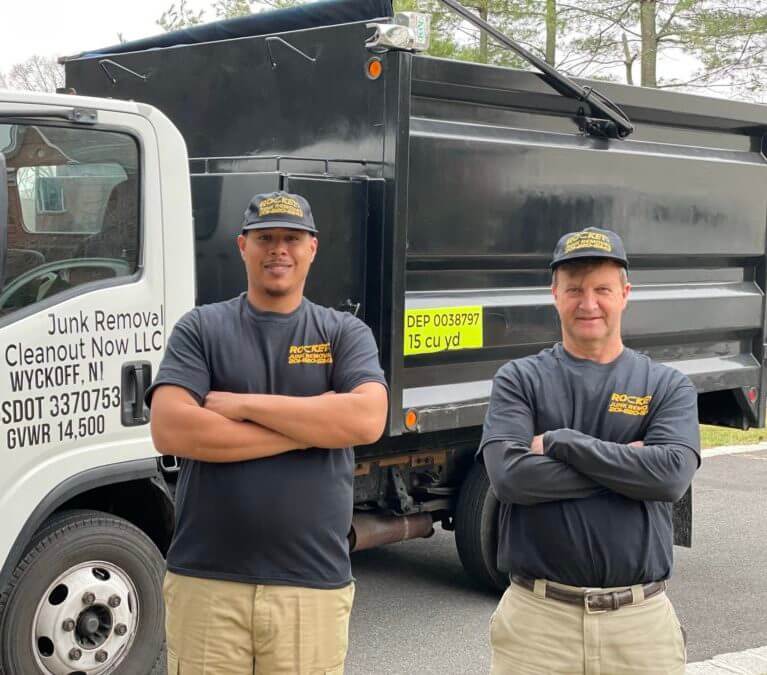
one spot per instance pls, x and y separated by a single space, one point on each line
440 189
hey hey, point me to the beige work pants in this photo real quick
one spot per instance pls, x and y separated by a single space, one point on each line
228 628
534 635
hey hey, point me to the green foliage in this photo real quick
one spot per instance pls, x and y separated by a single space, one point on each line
523 20
181 16
730 40
229 9
175 17
628 32
623 40
280 4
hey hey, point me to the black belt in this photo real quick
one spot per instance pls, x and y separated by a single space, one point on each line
593 601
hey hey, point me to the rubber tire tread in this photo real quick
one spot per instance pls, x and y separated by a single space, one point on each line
58 525
476 529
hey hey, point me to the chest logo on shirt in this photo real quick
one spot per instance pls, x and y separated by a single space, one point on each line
310 354
626 404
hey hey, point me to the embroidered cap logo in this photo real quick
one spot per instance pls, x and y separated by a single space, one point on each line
280 206
588 239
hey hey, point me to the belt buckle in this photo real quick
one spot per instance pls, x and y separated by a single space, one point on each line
587 592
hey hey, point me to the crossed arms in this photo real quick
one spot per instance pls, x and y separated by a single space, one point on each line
577 465
237 427
567 464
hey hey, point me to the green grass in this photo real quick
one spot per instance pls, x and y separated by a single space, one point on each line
711 437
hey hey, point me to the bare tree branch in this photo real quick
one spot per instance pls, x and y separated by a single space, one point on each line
37 73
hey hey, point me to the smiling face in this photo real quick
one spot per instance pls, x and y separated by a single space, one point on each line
277 262
590 298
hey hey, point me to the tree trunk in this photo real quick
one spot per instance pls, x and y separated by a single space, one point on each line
483 52
629 60
551 31
647 12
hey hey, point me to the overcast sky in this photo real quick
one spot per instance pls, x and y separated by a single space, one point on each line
65 27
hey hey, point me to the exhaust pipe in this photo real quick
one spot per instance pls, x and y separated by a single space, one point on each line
370 530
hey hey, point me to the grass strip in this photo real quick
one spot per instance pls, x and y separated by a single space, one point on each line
711 437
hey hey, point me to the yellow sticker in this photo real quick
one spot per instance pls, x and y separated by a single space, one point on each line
442 329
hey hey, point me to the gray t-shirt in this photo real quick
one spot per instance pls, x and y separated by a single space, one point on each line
591 511
282 519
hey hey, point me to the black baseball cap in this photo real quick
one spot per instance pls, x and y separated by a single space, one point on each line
279 209
589 243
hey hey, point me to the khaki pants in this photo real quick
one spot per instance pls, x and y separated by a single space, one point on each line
533 635
228 628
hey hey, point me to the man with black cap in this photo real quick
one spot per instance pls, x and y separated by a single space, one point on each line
263 397
587 444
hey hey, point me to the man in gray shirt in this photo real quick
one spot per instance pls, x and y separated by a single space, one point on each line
263 397
587 445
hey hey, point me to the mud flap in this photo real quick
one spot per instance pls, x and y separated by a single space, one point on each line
683 520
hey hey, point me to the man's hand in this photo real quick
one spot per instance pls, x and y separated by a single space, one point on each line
226 404
637 444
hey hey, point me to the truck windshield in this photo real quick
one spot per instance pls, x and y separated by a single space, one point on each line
73 199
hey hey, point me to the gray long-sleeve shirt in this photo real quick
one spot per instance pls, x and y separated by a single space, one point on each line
591 511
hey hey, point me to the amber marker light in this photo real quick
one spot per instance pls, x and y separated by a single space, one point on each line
411 420
374 68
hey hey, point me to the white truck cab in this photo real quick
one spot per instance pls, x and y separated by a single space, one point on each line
96 265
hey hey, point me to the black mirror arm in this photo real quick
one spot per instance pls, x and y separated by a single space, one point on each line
616 124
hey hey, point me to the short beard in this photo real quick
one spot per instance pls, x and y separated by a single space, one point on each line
277 292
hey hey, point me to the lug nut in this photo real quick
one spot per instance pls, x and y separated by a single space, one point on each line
68 625
114 601
89 598
75 654
101 656
121 629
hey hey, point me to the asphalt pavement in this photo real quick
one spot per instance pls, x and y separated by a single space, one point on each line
416 611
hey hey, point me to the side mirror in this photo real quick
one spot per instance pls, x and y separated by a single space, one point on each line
3 217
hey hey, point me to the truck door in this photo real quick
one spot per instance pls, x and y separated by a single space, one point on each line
82 326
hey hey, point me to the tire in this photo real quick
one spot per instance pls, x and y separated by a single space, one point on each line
73 555
476 530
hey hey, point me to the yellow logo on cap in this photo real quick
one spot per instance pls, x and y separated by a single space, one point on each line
588 240
630 405
281 206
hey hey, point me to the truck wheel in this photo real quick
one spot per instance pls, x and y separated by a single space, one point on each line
476 529
86 599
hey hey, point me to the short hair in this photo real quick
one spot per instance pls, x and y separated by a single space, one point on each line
586 265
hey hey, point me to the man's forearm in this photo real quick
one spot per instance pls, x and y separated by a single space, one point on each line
336 421
651 472
193 432
518 476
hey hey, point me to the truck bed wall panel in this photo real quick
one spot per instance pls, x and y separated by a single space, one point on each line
491 201
256 95
524 194
514 317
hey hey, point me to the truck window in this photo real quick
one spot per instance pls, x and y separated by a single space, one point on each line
73 210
